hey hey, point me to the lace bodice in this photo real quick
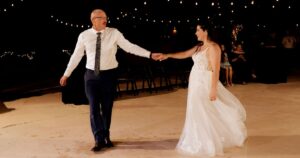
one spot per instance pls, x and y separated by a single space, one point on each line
201 61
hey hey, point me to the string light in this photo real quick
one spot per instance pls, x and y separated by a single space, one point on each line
12 5
70 24
140 14
29 56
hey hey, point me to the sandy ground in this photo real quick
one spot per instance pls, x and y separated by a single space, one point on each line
148 125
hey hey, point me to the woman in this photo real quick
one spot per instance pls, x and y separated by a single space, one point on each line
214 116
225 64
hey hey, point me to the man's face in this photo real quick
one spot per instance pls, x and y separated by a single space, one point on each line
99 20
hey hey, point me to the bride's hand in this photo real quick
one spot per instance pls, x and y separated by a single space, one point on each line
212 96
163 57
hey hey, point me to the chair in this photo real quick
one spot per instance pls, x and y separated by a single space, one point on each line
126 77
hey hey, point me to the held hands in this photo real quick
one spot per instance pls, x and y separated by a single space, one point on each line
163 57
156 56
159 56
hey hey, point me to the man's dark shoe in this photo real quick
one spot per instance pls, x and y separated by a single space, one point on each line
98 147
108 143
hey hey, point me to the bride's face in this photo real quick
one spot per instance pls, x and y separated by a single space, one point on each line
200 33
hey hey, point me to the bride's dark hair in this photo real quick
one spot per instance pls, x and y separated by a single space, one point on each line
213 32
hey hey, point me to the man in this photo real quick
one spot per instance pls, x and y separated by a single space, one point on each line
100 85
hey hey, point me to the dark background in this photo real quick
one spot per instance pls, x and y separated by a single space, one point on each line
37 37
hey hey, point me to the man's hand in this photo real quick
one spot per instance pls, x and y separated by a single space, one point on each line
63 81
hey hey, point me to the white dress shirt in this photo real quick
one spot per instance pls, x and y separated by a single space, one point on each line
111 38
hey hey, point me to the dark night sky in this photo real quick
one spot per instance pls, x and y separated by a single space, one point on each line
31 20
48 27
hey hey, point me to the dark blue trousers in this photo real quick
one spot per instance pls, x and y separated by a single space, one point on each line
100 91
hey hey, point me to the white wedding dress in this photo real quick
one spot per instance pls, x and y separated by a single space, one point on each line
210 126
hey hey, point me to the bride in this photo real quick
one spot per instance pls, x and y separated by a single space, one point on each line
214 116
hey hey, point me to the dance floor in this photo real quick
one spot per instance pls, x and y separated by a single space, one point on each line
148 125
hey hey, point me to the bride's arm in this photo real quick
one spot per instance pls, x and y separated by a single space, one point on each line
214 56
180 55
